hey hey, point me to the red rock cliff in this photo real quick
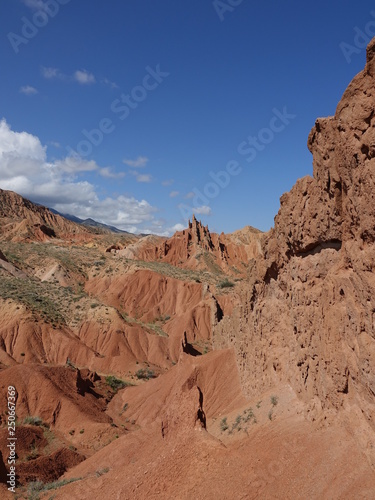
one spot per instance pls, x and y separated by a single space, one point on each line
308 314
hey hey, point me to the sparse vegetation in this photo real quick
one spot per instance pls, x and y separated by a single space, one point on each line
49 435
248 415
33 421
36 296
149 327
226 284
48 300
115 383
224 424
240 423
100 472
145 373
213 276
69 364
32 455
274 400
36 488
162 319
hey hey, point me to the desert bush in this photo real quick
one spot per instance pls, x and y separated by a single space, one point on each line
115 383
33 421
248 415
224 424
100 472
226 284
145 373
69 363
35 488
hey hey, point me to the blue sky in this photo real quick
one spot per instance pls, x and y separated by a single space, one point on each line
198 106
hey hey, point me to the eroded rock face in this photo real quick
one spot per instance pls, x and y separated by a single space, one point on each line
22 220
309 315
196 248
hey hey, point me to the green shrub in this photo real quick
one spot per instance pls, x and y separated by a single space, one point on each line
236 424
115 383
224 425
100 472
145 373
226 284
36 487
274 400
248 415
33 421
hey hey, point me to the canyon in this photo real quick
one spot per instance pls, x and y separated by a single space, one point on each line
200 365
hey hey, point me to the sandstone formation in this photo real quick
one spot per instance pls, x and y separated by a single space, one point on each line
197 248
307 317
22 220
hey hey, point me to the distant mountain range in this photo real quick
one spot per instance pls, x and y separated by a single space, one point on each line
90 222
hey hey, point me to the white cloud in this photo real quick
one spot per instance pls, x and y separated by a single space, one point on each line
50 73
80 76
17 148
140 162
144 178
113 85
72 165
158 228
173 194
75 164
24 168
203 210
168 182
121 212
84 77
189 195
28 90
178 227
107 172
